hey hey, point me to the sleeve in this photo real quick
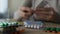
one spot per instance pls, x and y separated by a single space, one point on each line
28 3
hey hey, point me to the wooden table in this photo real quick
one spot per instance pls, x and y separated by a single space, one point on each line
38 31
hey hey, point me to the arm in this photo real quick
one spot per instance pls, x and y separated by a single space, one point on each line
26 6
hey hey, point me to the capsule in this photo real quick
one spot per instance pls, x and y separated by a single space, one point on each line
38 26
58 29
53 30
29 26
47 29
35 26
32 26
26 25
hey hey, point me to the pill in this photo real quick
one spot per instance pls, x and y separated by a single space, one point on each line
38 26
35 26
28 26
32 26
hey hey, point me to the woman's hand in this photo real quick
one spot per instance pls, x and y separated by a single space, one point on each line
26 12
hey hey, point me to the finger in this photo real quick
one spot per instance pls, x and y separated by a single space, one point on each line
29 9
21 14
23 8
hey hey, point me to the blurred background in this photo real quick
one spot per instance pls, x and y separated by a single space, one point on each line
8 7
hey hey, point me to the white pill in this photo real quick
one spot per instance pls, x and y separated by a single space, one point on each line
28 26
35 26
32 26
38 26
9 24
12 23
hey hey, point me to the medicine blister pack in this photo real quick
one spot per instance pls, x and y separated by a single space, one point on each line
31 24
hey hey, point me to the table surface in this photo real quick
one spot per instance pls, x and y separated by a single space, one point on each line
38 31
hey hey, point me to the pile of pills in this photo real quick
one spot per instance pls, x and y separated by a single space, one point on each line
5 24
35 25
50 29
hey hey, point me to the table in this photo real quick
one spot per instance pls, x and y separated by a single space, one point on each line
37 31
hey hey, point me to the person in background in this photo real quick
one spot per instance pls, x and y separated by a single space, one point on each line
27 9
22 13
